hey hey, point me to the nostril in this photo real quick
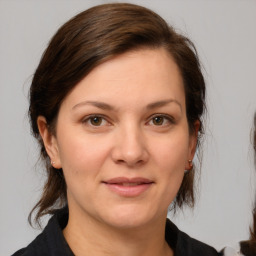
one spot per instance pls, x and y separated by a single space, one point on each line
129 162
120 161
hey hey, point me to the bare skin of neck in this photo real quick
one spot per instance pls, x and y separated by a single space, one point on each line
92 238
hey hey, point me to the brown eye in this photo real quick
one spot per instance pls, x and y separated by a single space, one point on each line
158 120
161 120
96 120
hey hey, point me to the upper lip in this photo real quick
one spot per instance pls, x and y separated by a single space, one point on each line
120 180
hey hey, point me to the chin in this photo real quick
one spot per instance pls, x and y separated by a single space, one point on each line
127 222
129 218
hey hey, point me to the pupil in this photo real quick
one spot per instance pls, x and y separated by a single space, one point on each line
158 120
96 120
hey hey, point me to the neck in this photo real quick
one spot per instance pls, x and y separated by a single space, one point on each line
91 237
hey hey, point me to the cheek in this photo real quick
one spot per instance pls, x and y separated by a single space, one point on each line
81 164
173 160
171 157
172 153
81 155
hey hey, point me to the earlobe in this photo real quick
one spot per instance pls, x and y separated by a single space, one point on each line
50 142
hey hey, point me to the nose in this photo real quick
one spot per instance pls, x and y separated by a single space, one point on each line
130 147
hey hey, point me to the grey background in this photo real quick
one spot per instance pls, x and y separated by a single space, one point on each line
225 35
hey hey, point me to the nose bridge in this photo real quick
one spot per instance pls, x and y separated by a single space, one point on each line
130 146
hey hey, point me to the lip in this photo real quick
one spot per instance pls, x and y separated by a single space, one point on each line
128 187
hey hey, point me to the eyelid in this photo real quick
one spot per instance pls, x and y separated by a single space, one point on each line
170 118
88 117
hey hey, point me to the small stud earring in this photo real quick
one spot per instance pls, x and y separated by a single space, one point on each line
52 163
190 164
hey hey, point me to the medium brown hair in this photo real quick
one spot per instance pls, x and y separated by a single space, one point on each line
84 42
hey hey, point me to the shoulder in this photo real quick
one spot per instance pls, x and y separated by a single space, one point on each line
51 241
38 246
190 246
20 252
187 246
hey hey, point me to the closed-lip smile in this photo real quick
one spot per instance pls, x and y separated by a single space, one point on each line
128 187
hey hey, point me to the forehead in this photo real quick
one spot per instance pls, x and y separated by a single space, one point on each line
137 76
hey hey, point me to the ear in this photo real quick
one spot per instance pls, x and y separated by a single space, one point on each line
50 142
192 144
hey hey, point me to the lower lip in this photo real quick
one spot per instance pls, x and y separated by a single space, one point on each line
129 191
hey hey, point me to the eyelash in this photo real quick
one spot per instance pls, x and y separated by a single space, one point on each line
88 120
166 118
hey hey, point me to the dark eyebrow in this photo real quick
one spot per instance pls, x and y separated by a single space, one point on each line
97 104
106 106
162 103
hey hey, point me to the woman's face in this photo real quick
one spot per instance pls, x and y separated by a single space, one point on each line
122 140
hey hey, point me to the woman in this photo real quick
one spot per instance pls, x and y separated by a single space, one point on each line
247 248
116 104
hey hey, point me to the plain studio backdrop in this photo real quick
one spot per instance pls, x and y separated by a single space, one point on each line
224 33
